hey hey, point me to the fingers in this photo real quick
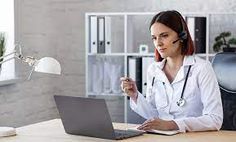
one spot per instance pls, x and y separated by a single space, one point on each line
129 87
126 83
125 79
147 125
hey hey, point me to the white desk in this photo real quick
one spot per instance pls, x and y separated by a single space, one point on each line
53 131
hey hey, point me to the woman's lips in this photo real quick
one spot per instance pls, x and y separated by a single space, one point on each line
162 49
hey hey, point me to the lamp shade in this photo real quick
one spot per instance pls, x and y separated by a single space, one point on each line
48 65
7 131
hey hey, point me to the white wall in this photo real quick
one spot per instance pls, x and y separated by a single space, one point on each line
56 28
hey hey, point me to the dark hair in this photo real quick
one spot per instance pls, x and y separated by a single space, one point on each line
176 22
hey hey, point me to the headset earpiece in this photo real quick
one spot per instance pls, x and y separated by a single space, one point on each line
183 35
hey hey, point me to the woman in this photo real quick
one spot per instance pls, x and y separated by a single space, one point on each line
182 90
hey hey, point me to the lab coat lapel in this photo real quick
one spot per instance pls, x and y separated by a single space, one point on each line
188 60
159 74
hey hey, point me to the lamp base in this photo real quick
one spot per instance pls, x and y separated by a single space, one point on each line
7 131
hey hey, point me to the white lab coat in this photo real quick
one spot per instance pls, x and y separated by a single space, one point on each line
203 108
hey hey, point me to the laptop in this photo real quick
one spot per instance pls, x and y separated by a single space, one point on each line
89 117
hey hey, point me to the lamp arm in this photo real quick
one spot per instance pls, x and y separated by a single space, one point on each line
37 65
14 52
28 59
6 60
29 77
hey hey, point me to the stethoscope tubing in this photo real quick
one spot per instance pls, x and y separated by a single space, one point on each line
181 100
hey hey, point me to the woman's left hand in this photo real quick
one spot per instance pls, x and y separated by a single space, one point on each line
158 124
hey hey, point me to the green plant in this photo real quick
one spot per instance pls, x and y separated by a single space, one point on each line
2 44
223 40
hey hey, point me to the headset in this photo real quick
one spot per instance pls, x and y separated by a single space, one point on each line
183 34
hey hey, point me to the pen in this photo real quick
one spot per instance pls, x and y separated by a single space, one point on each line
127 80
164 87
153 79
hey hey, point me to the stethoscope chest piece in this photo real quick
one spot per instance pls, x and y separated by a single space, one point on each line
181 102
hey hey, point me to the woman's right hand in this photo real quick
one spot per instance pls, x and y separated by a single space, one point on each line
129 87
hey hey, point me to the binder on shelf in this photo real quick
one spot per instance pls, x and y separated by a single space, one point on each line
197 29
107 34
101 34
135 71
200 34
97 76
93 34
146 61
191 26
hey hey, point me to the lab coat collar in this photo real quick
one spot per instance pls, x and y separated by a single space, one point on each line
161 64
160 75
188 60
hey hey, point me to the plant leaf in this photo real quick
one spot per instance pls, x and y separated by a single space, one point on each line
218 38
217 45
225 34
232 41
2 44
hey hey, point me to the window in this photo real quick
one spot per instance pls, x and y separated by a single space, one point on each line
7 26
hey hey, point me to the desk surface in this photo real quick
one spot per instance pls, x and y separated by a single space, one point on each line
53 131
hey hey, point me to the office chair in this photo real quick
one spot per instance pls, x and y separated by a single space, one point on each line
224 65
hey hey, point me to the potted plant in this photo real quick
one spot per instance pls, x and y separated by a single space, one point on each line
2 44
224 41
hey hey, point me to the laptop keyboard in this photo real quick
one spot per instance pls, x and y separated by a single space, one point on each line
122 134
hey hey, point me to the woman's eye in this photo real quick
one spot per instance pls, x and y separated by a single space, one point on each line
165 35
154 38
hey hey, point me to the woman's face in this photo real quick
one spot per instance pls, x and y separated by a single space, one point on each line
163 38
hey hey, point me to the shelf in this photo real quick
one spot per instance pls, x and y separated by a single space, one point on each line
106 54
128 32
138 54
126 37
201 54
120 13
141 55
212 54
121 54
153 13
105 94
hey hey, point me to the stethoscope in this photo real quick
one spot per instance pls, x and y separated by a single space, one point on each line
181 102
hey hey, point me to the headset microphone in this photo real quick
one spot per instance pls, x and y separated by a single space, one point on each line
176 40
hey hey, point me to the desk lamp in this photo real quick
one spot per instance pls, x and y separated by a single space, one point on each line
44 65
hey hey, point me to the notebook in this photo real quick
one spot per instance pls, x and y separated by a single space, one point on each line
89 117
161 132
